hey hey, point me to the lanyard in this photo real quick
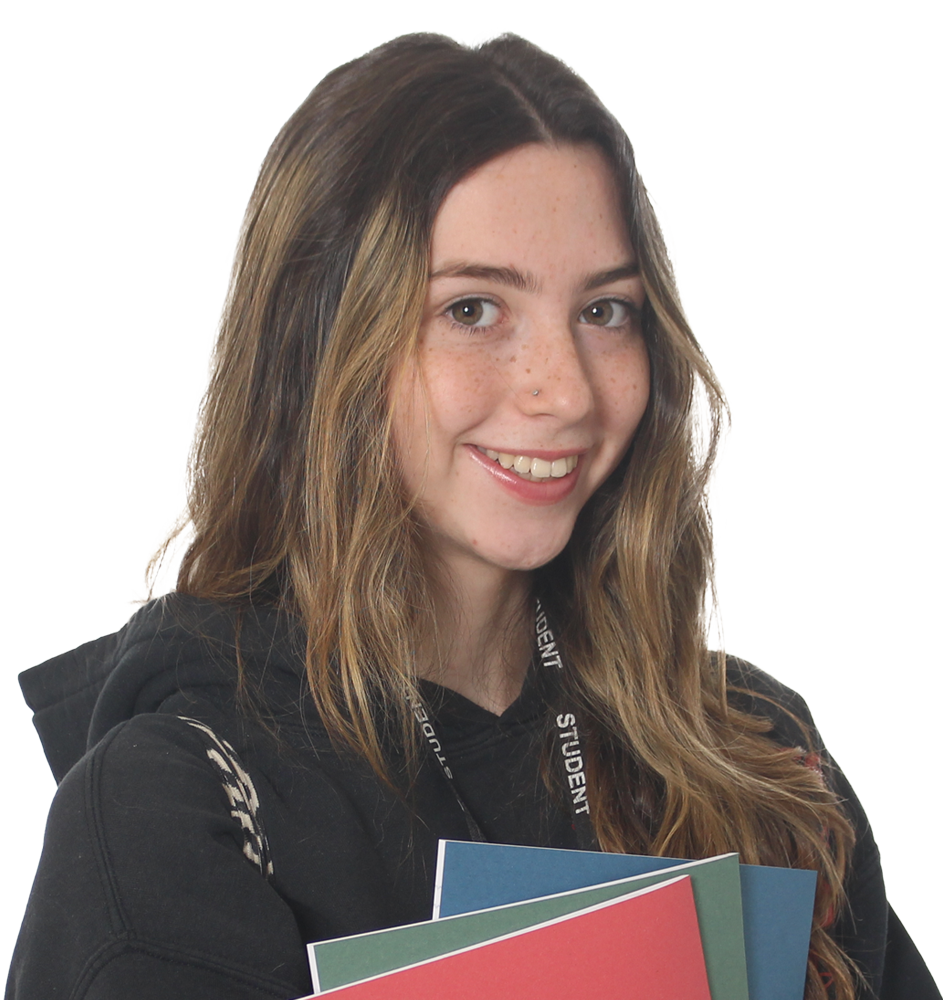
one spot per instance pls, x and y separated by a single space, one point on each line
568 750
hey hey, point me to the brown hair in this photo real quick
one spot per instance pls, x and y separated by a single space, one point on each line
295 497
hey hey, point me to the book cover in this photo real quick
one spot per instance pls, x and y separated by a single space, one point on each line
716 890
644 946
777 902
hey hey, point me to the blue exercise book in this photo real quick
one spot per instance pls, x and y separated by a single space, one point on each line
777 902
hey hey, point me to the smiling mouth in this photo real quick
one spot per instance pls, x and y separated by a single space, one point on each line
536 470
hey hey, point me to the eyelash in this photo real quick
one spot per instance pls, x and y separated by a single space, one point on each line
632 311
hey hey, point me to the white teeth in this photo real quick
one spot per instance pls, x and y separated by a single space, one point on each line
505 460
533 468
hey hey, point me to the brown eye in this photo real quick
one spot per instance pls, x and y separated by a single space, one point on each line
474 312
599 313
606 312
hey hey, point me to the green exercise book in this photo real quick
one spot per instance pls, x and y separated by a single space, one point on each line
716 886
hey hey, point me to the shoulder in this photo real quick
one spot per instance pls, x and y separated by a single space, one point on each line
755 692
144 861
746 680
160 790
150 812
145 751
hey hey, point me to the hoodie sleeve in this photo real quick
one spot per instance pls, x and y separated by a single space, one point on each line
867 929
144 888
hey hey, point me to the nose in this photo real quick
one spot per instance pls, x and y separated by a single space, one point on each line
552 378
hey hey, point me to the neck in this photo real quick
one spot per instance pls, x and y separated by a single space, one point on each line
482 638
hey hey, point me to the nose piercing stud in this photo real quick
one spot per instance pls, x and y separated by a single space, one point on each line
536 392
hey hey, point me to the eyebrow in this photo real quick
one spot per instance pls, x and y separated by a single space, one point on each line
526 282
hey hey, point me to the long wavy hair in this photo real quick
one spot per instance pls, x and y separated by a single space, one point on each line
295 496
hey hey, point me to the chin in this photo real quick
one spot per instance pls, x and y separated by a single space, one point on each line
522 559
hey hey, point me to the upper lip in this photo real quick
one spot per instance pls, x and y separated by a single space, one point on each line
547 455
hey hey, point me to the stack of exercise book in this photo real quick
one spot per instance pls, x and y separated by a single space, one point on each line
530 923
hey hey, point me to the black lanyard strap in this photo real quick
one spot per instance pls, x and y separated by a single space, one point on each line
435 744
569 750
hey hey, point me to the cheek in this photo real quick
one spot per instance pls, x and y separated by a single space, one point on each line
624 393
460 389
435 400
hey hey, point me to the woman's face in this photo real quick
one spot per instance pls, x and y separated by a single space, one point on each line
531 375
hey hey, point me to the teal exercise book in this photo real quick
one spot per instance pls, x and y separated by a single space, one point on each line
776 902
715 886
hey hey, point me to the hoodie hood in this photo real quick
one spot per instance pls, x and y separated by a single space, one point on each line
175 644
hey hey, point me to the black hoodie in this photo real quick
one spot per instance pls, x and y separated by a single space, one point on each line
145 888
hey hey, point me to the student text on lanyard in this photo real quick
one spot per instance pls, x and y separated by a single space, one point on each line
569 750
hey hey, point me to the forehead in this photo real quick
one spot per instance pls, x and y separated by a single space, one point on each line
549 203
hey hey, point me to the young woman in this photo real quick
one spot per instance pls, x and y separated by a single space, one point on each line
453 412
